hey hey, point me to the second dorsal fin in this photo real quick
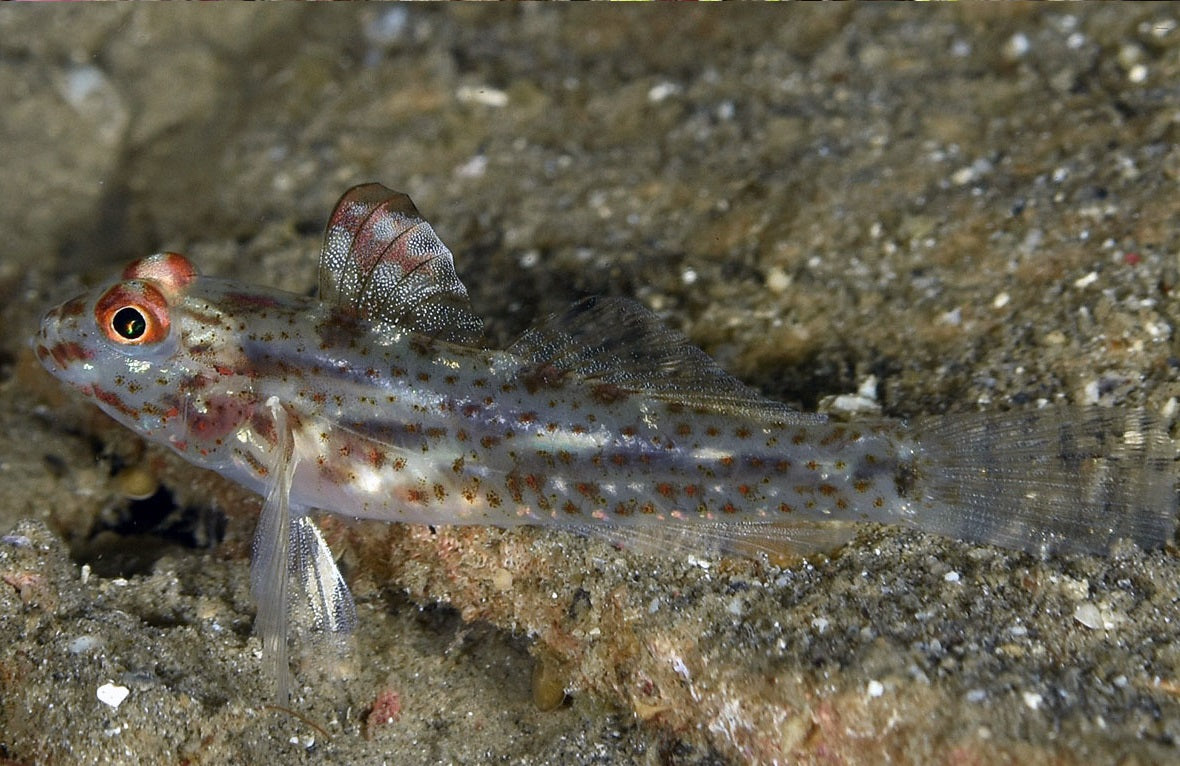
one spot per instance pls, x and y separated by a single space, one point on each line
619 342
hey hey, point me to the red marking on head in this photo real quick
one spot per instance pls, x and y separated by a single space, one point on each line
171 272
222 415
133 313
66 353
72 308
112 400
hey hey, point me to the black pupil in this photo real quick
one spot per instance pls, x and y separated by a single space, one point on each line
129 323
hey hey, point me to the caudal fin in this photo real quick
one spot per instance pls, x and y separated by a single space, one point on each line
1056 480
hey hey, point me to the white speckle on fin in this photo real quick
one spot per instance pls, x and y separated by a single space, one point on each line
619 342
331 602
382 261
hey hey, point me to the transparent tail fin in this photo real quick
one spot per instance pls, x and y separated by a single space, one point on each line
1057 480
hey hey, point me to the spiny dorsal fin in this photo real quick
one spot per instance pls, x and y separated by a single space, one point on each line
383 262
618 341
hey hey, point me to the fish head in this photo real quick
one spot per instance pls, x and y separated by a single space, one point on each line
128 346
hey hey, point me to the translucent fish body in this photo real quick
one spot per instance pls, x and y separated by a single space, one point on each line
375 400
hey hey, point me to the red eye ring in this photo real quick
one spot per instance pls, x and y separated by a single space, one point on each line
133 313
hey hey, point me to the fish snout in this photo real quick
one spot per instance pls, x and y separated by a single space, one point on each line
58 342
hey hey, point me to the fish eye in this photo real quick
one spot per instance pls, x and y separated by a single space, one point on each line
133 313
129 323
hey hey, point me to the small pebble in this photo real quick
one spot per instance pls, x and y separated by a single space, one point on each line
110 694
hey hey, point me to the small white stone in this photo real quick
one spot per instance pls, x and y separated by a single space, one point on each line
777 280
661 91
482 95
1017 45
1032 700
110 694
876 688
951 576
1088 615
84 643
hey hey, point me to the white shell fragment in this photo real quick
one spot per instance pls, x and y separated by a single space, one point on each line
112 694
